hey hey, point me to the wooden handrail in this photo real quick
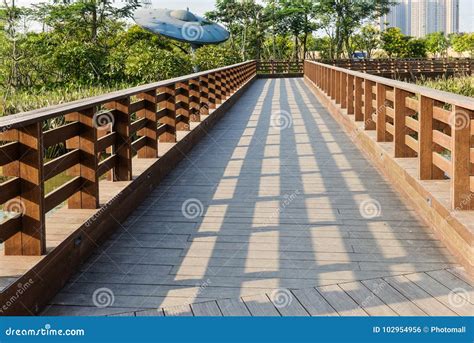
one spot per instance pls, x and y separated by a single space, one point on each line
100 137
434 126
406 68
25 118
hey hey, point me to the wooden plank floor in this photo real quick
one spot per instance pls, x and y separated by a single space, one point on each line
415 294
275 197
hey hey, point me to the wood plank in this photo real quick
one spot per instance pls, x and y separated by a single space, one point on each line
340 301
62 193
233 308
394 299
206 309
260 306
61 134
9 153
178 311
9 189
314 302
366 299
10 227
150 313
456 300
287 304
61 164
418 296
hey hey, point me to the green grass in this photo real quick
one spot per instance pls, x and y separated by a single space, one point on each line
27 100
457 85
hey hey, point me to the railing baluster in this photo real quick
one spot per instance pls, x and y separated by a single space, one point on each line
182 106
461 196
194 99
150 150
427 170
88 196
167 113
369 123
343 89
350 94
203 95
358 114
381 113
31 238
400 110
123 145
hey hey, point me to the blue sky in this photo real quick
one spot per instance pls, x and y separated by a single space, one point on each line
201 6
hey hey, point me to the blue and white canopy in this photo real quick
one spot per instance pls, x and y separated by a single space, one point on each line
181 25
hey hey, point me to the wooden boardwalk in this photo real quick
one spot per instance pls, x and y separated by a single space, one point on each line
275 197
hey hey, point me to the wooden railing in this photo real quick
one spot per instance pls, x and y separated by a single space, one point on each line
434 126
100 136
274 67
407 68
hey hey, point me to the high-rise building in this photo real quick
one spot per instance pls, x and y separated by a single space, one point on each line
399 16
420 17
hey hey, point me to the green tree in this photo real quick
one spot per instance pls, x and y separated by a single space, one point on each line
437 44
368 39
463 42
394 42
341 18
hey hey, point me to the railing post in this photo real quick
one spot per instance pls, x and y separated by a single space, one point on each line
350 94
427 170
338 87
461 196
381 113
182 106
88 196
150 150
400 112
212 90
123 145
358 114
343 91
30 240
203 95
194 98
369 123
167 113
218 87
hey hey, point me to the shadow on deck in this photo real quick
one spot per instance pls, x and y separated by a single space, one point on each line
276 197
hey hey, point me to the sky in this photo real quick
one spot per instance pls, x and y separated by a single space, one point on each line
201 6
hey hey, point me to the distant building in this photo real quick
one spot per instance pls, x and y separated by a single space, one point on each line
420 17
